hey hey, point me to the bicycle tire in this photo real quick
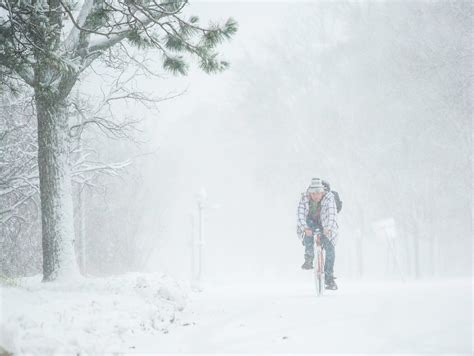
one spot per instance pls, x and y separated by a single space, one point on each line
319 272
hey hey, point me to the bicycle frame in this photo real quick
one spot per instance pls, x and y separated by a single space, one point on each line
319 278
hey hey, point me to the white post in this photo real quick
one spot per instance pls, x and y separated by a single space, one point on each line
192 243
197 257
200 241
202 197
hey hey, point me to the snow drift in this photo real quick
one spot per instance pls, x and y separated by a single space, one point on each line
90 315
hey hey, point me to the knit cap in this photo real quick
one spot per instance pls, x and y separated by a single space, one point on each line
316 186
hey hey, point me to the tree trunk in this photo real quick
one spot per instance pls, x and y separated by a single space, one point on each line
82 228
416 250
59 260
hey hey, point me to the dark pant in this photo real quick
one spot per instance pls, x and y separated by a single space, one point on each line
330 253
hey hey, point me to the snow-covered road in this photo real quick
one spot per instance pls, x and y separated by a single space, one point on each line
288 317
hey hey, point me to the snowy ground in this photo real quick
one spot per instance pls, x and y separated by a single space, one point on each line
366 317
95 315
140 313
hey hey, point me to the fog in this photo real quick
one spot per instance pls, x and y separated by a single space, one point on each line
376 98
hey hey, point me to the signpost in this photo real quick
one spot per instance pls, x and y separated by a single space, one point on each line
385 229
197 248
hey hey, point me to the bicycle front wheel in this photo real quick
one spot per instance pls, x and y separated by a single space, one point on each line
319 272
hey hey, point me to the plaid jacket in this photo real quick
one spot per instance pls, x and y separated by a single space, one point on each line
328 215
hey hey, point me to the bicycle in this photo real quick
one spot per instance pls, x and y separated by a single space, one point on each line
319 256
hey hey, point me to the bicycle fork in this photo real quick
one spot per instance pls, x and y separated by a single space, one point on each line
319 265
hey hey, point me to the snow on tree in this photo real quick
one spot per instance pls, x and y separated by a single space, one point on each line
48 44
20 236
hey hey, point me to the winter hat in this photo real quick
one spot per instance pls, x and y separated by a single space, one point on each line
316 186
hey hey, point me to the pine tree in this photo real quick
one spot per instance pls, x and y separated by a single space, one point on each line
48 44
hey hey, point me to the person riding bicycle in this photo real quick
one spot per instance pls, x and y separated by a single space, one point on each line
317 211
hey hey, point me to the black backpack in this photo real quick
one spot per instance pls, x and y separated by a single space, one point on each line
338 201
337 198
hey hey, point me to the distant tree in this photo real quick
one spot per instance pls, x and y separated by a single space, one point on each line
49 44
20 236
381 99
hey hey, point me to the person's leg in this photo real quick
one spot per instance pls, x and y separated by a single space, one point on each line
330 258
308 242
309 248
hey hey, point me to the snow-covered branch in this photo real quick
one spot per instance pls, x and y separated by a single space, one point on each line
72 39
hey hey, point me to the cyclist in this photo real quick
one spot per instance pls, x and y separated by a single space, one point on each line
317 211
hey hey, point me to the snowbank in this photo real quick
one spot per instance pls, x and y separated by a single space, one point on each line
90 315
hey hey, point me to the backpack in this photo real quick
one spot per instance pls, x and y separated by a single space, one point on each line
337 198
338 201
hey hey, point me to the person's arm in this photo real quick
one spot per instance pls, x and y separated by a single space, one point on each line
301 214
328 219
